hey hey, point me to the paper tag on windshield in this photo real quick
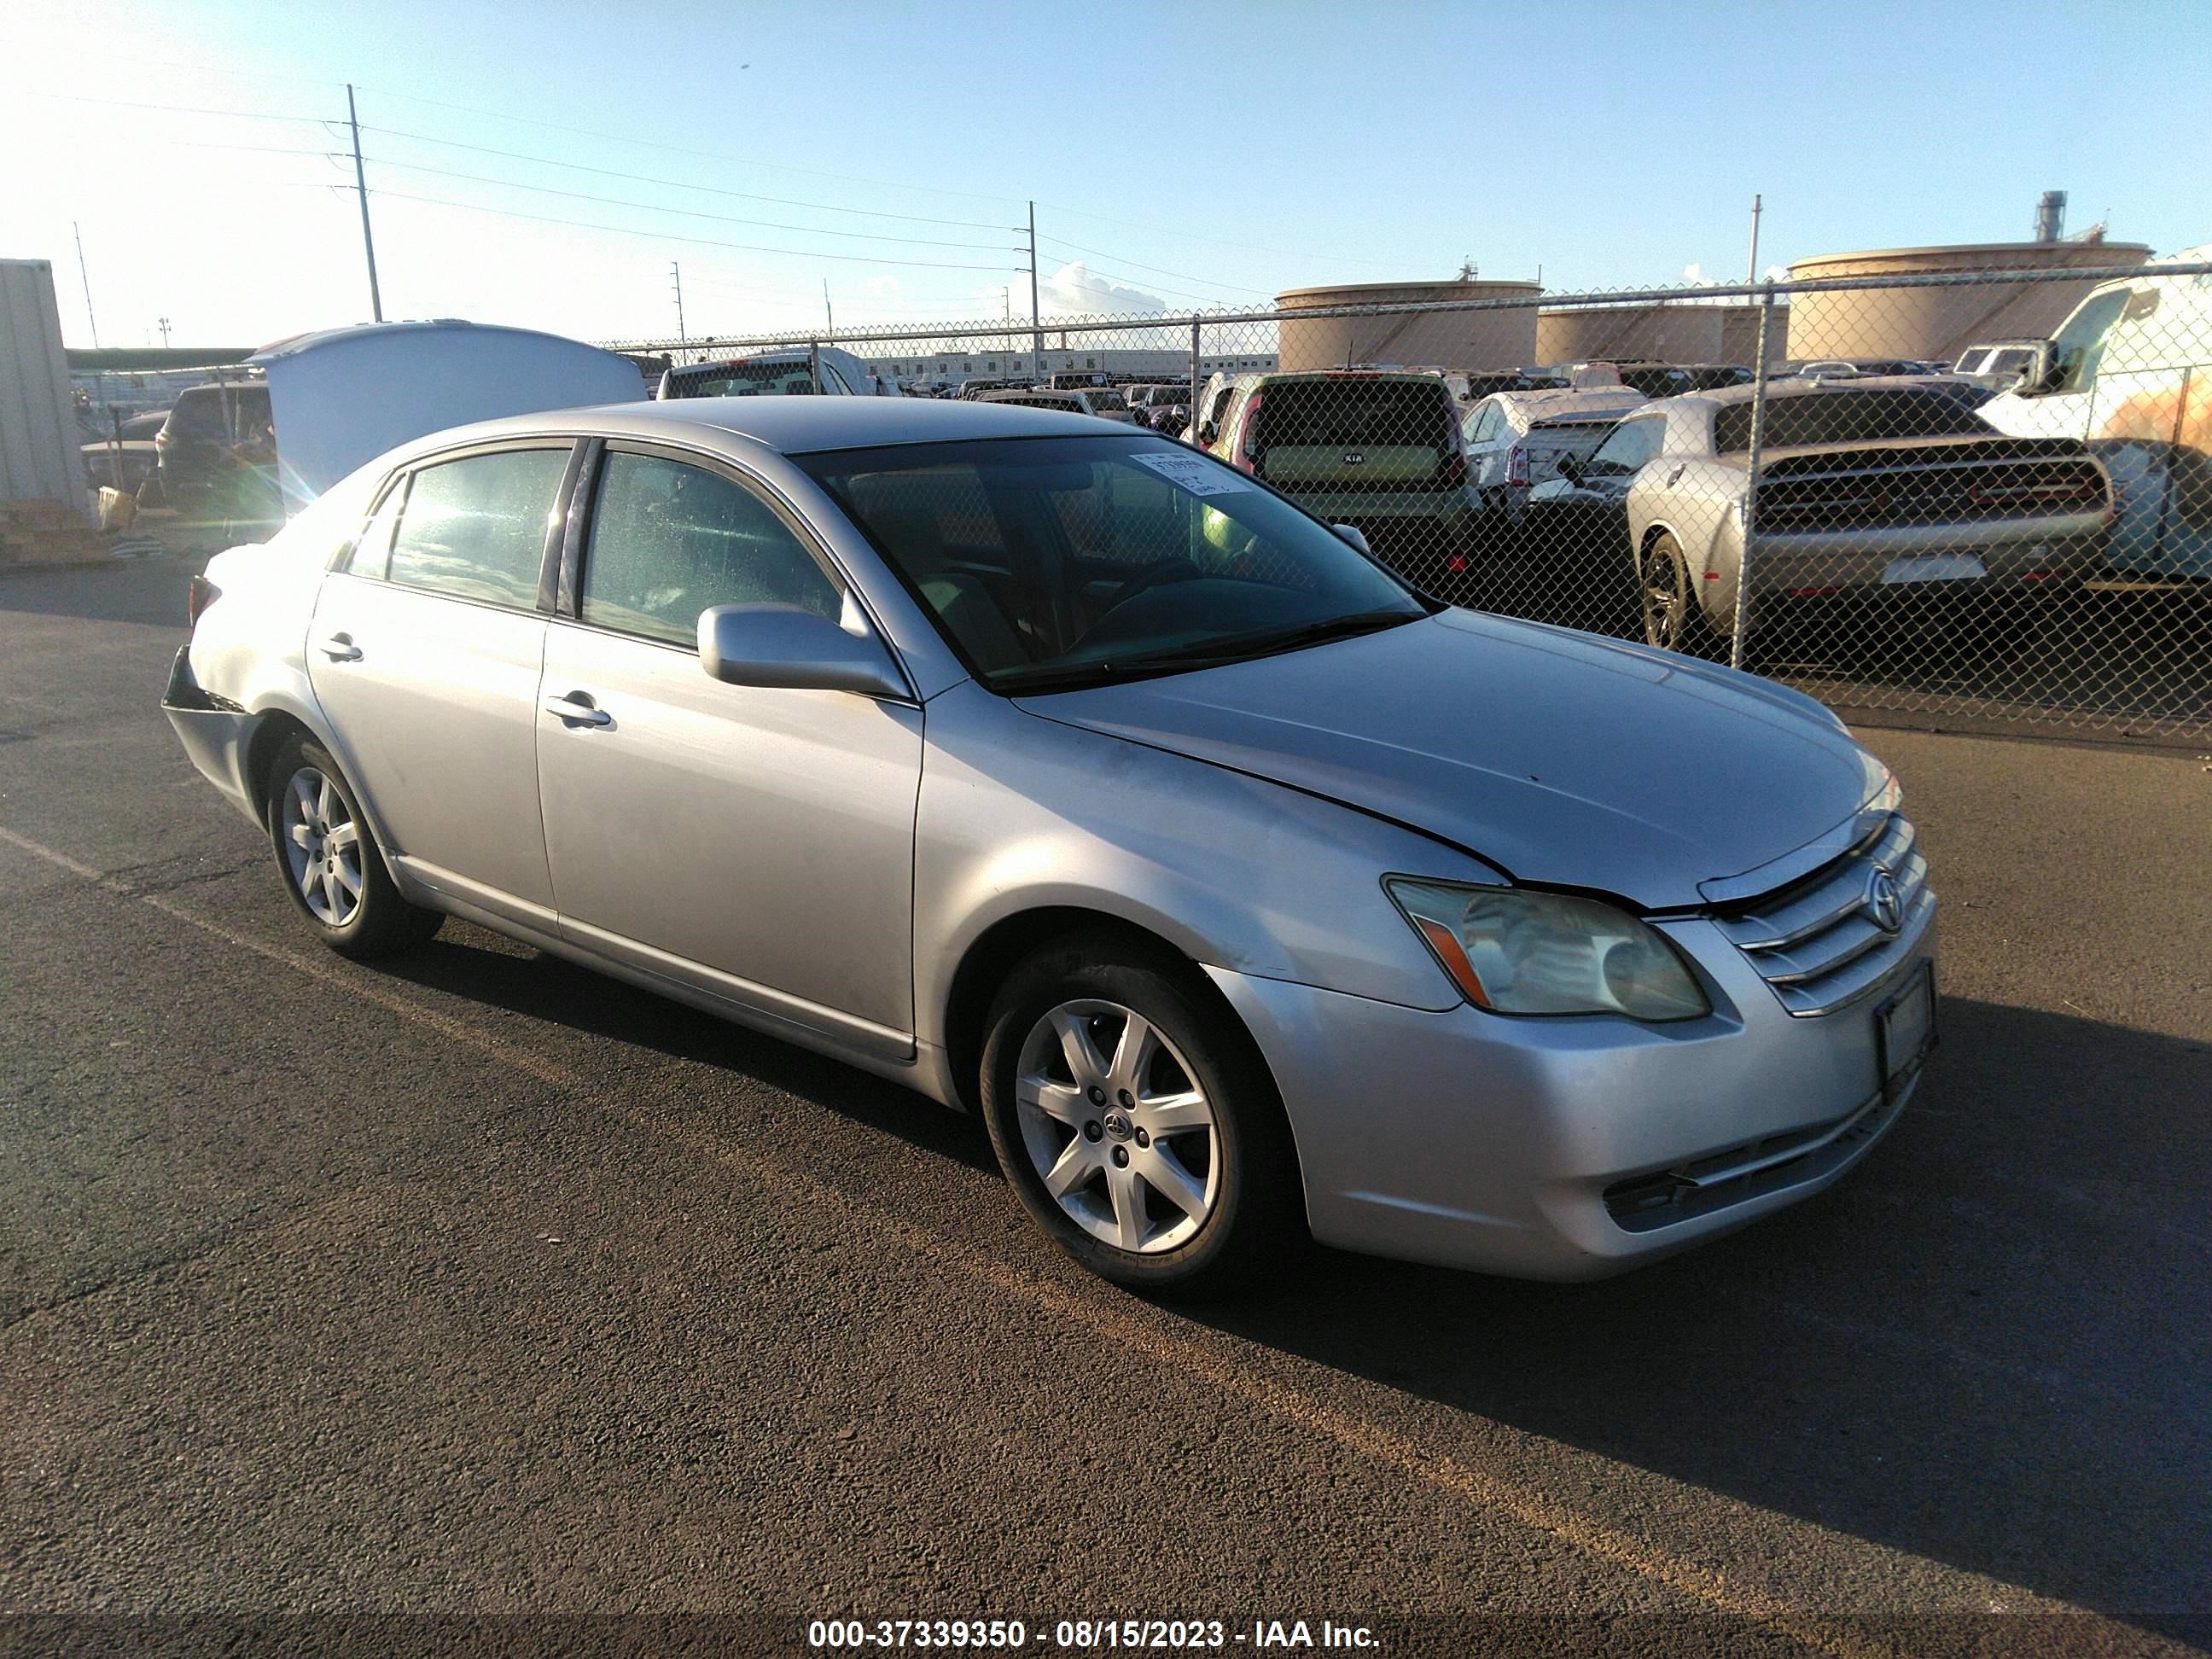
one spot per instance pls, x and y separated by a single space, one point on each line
1195 473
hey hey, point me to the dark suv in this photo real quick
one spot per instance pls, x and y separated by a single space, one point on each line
216 453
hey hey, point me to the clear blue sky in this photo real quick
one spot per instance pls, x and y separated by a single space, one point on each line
1178 152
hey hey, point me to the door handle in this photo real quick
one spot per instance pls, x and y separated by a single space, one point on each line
340 648
576 708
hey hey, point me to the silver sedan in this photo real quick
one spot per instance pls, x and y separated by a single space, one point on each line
1069 776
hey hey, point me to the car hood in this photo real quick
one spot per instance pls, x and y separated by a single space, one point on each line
1563 758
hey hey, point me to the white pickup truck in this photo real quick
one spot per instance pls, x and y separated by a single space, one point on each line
2131 373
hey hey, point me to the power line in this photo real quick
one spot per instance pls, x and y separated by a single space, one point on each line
661 235
688 212
1100 252
185 109
679 184
681 149
1109 275
1217 241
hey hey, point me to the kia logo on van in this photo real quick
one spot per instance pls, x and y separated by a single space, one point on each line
1354 458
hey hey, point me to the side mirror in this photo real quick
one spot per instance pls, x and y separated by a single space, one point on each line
1352 533
1570 468
1208 432
2043 373
786 648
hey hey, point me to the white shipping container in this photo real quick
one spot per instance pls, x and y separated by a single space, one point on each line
38 459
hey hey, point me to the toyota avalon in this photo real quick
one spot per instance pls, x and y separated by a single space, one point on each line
1066 774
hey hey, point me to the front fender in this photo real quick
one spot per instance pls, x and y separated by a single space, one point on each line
1019 813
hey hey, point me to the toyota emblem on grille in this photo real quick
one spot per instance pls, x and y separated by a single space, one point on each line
1884 904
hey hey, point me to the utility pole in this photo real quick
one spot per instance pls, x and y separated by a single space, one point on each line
1037 333
1751 275
361 185
164 325
85 276
675 274
826 309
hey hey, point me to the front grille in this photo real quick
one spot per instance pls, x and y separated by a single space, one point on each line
1818 942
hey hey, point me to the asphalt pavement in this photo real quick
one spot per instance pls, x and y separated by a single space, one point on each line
474 1287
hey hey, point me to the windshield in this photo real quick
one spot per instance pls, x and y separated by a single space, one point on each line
1055 562
1875 415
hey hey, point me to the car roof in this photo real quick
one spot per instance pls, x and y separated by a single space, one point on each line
792 426
1552 403
1722 396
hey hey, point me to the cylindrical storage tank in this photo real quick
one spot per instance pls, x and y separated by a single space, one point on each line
1937 323
1657 333
1739 334
1504 336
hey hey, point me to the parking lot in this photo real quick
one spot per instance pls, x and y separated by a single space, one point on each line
475 1285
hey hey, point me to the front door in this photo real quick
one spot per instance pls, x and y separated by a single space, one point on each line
425 653
756 844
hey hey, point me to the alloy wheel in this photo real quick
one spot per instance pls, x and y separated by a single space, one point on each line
322 846
1117 1126
1666 603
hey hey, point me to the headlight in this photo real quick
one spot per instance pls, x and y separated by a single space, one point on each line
1516 952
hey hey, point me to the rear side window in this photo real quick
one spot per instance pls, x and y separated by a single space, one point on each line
476 528
670 540
372 553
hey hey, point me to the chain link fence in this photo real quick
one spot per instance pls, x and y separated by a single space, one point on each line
1975 499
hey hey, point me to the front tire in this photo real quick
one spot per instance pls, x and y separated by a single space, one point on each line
1137 1122
330 861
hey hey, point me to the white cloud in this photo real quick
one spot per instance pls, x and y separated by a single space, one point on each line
1075 290
1695 273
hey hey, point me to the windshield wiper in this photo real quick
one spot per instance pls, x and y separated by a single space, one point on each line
1212 654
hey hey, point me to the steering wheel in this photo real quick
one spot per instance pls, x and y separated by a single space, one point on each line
1176 567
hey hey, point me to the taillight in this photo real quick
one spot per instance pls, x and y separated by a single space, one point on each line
1516 464
1246 457
199 595
1453 457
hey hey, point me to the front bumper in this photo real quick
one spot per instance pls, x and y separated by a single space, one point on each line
1476 1141
216 737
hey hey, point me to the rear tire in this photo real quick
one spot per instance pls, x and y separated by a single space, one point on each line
330 861
1674 615
1137 1122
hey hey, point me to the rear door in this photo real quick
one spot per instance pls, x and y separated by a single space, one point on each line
425 653
753 843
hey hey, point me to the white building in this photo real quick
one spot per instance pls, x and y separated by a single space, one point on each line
930 363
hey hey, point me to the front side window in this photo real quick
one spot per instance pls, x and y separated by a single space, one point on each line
670 540
1055 562
476 528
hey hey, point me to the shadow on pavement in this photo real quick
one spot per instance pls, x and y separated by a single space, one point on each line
1985 1347
502 974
